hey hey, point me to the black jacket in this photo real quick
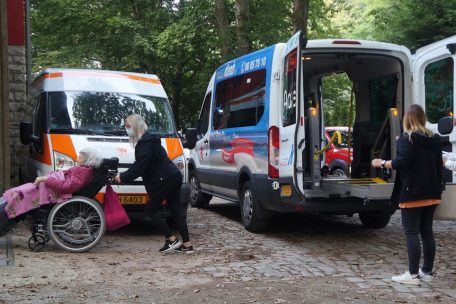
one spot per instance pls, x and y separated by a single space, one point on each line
151 163
419 168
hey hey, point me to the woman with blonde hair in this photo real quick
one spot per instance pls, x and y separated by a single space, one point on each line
162 180
418 190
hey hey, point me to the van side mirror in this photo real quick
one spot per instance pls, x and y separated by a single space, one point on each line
190 138
445 125
26 133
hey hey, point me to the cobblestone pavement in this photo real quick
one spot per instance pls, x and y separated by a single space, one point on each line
332 255
298 246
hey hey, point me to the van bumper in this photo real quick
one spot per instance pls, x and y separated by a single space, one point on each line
268 192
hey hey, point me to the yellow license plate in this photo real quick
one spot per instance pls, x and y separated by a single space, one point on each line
285 191
133 199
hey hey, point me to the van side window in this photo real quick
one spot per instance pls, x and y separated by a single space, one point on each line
289 90
239 101
203 120
39 115
438 87
60 119
382 97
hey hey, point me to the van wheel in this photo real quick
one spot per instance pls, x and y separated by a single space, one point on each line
254 217
375 220
198 199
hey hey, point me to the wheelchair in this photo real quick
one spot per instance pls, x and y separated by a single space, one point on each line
78 224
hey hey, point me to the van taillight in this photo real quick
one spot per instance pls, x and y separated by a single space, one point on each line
273 152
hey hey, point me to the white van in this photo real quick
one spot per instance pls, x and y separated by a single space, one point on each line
261 126
75 109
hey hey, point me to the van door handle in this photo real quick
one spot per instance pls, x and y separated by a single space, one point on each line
300 143
284 140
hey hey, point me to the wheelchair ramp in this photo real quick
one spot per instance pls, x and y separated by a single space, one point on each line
365 188
6 251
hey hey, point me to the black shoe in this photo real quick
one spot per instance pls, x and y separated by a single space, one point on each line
170 245
183 249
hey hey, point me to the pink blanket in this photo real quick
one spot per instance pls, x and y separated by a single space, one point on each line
29 196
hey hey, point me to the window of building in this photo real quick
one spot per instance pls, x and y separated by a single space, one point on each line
438 86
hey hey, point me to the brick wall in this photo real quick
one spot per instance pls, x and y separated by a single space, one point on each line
19 109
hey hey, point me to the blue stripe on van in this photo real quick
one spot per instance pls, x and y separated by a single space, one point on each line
290 158
258 60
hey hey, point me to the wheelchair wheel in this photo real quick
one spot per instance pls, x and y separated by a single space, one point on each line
37 242
76 225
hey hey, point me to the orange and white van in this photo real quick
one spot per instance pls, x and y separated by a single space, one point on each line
75 109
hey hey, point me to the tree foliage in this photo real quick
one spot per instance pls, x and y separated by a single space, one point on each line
184 41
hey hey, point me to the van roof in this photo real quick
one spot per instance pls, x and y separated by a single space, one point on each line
100 81
92 71
355 43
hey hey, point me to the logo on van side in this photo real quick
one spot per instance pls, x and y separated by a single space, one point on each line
230 70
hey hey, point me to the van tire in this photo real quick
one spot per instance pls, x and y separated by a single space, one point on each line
254 217
197 199
375 220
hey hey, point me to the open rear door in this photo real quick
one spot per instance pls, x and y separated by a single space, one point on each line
434 89
292 119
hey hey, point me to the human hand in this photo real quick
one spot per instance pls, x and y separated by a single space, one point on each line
377 163
117 179
445 156
40 179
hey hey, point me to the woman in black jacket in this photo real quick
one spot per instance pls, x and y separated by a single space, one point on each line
418 190
162 180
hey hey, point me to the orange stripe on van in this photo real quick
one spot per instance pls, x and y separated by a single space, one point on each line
174 147
85 74
62 143
44 157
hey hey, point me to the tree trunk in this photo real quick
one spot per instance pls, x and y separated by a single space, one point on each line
300 16
242 26
221 16
177 92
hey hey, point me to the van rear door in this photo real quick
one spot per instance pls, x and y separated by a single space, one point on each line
291 122
434 89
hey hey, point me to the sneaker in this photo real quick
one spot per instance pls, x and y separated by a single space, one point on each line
170 245
427 277
183 249
407 278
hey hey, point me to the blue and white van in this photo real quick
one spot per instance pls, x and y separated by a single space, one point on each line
261 126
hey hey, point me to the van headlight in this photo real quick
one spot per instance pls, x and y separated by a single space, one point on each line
63 161
180 164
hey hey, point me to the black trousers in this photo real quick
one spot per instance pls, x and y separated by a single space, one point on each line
418 222
168 189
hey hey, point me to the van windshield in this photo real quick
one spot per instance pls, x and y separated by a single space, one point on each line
103 113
